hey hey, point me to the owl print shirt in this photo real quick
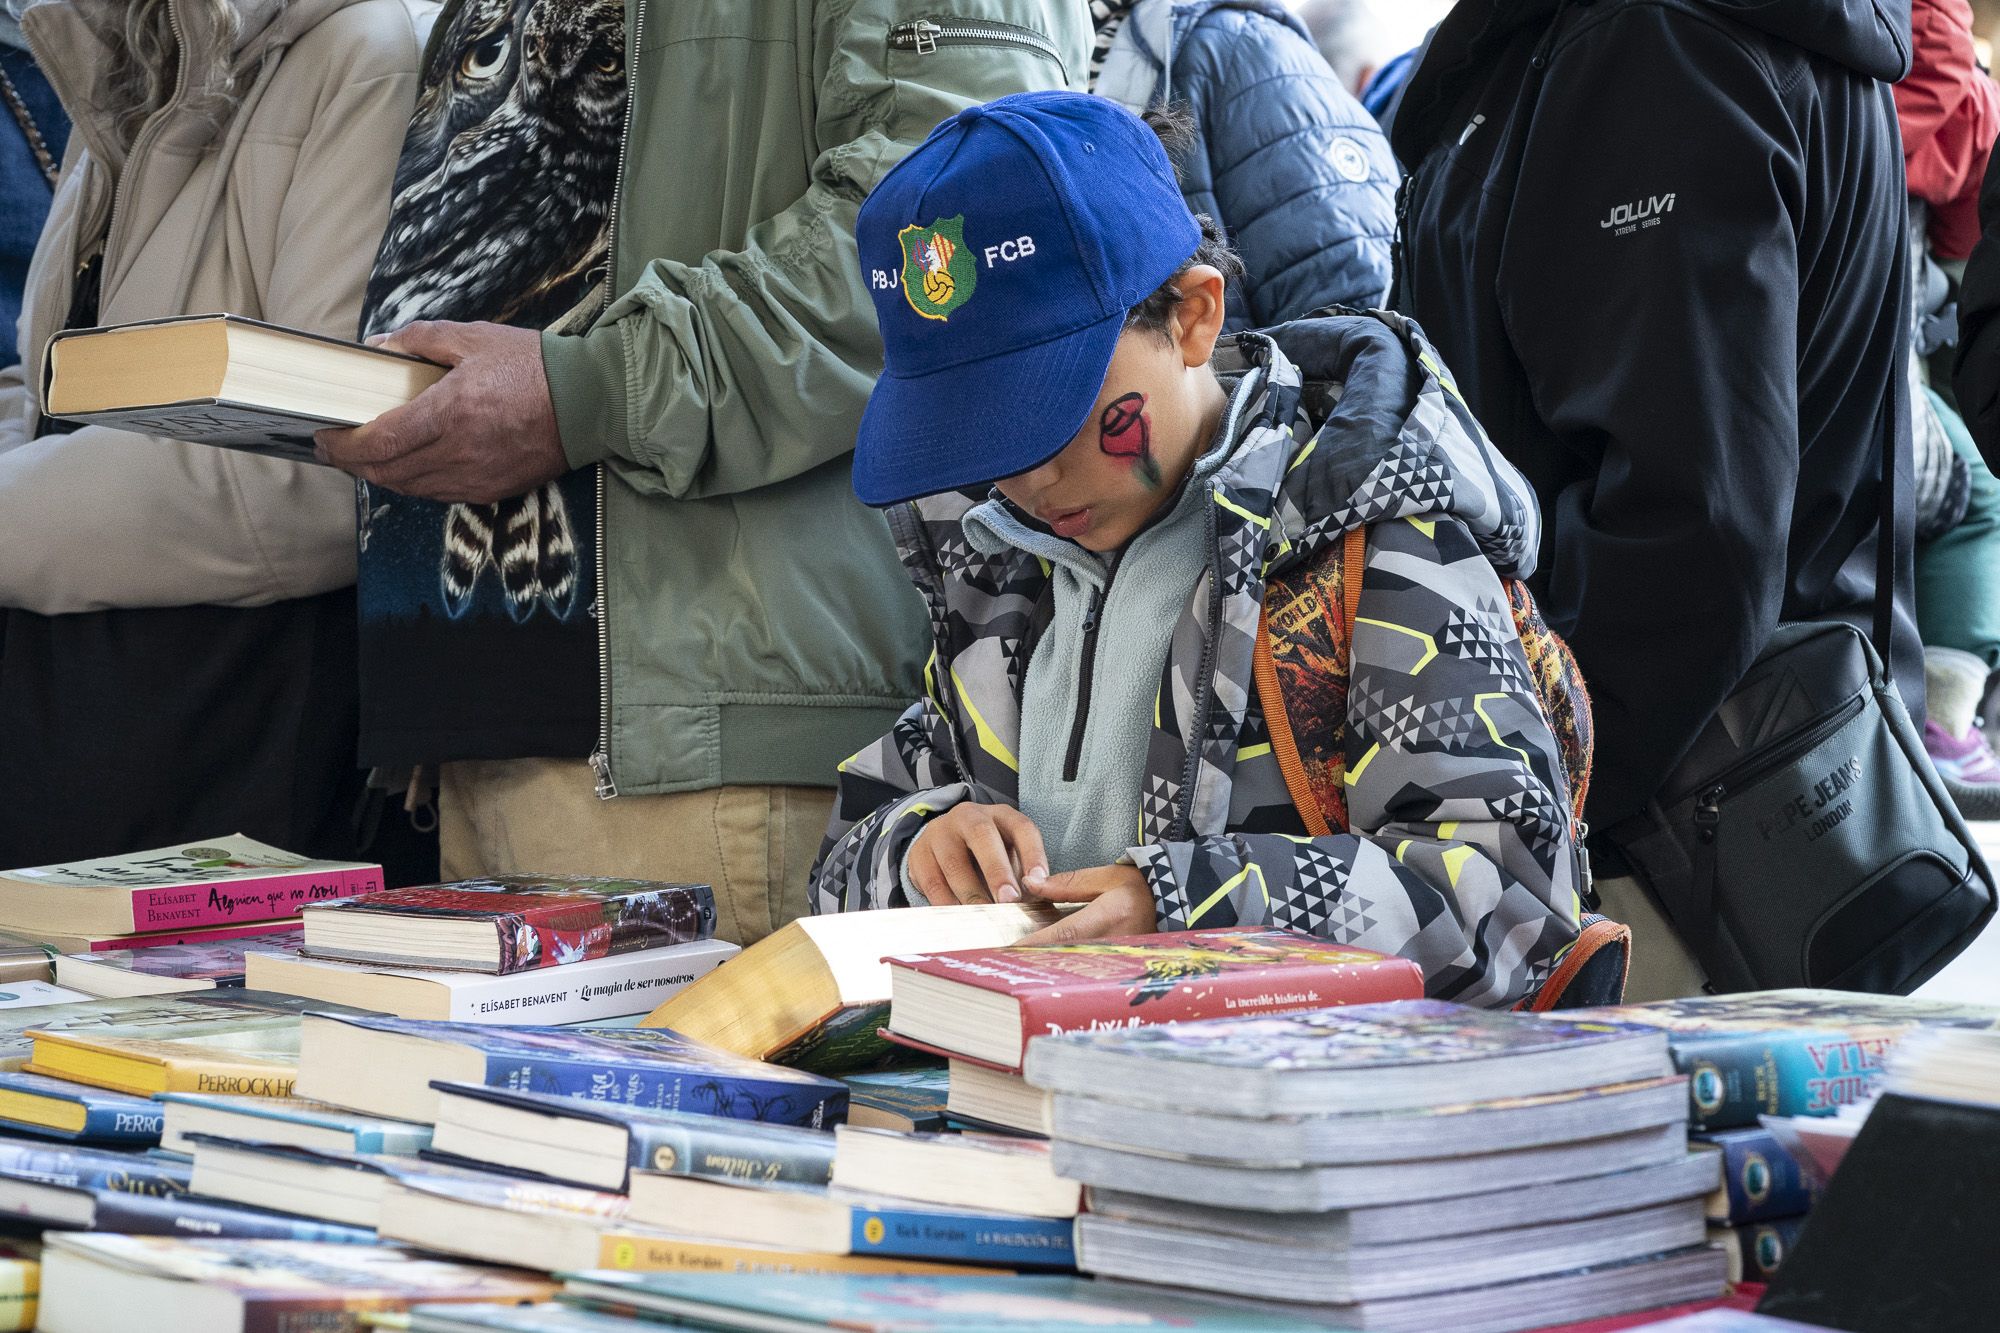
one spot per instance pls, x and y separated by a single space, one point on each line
478 638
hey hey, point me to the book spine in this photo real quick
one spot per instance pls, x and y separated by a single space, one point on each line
1735 1077
1143 1001
83 1169
1040 1242
115 943
262 898
1760 1180
1756 1251
637 1252
577 993
676 1150
571 934
229 1080
138 1215
668 1088
123 1124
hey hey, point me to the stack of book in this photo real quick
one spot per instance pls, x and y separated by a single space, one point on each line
979 1008
1398 1166
511 949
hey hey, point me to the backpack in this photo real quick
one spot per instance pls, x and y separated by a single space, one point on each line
1303 655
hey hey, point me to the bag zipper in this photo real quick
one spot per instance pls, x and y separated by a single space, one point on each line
1086 671
925 36
1708 807
600 757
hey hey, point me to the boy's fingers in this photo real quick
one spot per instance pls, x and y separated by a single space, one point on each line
1085 923
960 872
996 868
1074 886
1026 840
924 873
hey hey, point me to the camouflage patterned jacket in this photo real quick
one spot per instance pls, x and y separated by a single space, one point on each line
1460 853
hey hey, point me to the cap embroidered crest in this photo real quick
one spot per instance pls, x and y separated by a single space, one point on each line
938 272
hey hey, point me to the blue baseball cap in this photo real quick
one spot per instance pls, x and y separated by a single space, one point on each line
1003 255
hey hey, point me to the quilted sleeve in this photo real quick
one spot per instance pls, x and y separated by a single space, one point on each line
1460 854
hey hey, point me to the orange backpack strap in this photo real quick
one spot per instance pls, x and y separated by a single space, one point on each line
1321 804
1592 973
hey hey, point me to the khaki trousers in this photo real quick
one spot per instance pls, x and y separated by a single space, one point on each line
1662 968
754 845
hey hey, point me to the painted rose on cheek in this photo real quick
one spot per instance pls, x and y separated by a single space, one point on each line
1125 432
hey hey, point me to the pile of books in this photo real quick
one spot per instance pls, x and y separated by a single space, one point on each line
1399 1166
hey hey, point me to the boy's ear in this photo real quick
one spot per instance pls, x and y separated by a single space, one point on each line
1197 320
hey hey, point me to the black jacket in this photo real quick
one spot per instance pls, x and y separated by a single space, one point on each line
1975 378
1660 244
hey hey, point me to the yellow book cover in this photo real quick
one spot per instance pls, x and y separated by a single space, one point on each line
143 1066
20 1285
643 1252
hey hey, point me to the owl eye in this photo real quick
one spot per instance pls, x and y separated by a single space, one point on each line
608 64
487 58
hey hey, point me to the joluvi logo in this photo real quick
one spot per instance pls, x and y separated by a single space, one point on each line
1638 215
938 272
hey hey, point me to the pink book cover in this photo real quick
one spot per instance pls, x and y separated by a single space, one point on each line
216 883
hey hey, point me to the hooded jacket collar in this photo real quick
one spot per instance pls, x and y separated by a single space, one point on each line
1139 69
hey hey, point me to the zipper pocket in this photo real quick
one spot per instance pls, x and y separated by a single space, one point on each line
1749 772
926 36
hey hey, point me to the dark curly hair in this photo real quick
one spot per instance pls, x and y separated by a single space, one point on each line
1176 130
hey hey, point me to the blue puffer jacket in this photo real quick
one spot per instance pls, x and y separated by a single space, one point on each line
1297 174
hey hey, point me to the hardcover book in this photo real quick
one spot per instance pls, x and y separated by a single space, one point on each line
91 1169
170 968
54 943
1760 1180
79 1114
596 1144
986 1004
385 1066
1375 1057
1785 1052
166 1215
911 1099
616 985
1757 1249
226 380
814 994
329 1184
222 882
144 1065
283 1120
253 1020
91 1283
511 923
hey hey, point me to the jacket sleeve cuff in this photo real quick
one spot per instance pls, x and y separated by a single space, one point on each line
586 375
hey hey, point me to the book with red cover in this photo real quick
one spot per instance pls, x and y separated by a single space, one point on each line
987 1004
510 923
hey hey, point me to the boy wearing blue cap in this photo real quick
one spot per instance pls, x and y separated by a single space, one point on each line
1136 538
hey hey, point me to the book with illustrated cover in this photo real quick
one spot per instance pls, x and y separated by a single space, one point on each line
226 380
90 1169
910 1099
820 1221
1785 1052
618 985
146 1065
55 943
253 1020
986 1004
511 923
385 1066
1760 1180
814 994
596 1144
91 1283
1373 1057
284 1120
34 994
170 968
80 1114
224 881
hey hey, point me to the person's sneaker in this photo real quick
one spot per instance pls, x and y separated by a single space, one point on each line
1966 758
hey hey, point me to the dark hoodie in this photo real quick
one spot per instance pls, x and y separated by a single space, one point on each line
1660 243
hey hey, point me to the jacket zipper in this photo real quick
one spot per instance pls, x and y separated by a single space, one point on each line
1398 274
1708 808
144 138
925 36
600 758
1086 671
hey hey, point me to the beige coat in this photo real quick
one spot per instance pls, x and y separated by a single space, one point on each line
277 215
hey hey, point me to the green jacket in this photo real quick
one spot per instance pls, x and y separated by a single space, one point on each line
755 626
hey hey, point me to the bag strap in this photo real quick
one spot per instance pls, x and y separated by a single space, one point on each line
1887 543
1278 722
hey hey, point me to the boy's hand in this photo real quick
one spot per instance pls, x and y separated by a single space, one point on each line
976 854
1120 902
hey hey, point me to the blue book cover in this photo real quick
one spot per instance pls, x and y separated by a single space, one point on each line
55 1108
684 1143
896 1229
364 1133
653 1067
211 1219
1760 1180
93 1168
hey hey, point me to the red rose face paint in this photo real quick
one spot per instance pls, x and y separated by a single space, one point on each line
1125 432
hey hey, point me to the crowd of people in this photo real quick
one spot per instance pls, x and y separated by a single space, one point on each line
1105 452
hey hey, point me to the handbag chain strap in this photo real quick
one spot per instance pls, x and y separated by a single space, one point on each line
29 130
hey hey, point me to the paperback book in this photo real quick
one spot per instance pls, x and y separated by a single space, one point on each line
64 1209
1375 1057
90 1169
330 1184
385 1066
283 1120
91 1283
615 985
597 1144
169 969
63 1110
1760 1180
910 1099
511 923
221 882
36 994
56 943
1756 1249
250 1020
972 1171
986 1004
